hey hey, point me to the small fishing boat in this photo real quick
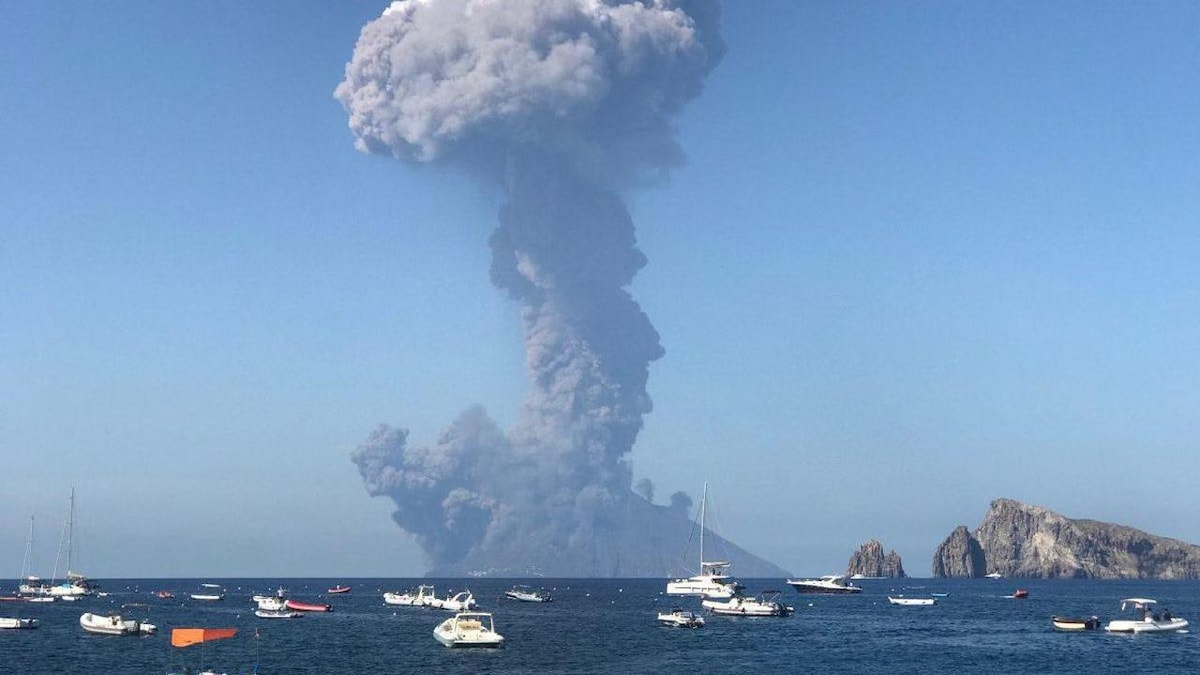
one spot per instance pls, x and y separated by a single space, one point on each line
766 604
210 593
678 618
1019 593
527 594
114 624
18 624
339 589
1150 621
277 614
911 602
306 606
270 603
462 601
1069 623
468 629
164 595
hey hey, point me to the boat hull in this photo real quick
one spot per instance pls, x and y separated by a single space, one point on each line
1073 624
114 625
18 624
306 606
912 602
1142 626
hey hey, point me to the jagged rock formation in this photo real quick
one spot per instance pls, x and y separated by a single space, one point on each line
959 556
1019 540
869 561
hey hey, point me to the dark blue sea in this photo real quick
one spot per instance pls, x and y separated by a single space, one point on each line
608 626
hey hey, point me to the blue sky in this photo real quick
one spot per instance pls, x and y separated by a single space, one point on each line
922 256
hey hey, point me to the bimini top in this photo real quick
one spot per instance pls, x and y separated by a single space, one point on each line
1137 602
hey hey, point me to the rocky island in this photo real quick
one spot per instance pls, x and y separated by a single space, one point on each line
1020 540
869 561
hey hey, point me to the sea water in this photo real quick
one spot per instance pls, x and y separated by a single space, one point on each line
609 626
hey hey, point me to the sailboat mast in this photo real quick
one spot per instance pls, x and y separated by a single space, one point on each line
703 502
70 528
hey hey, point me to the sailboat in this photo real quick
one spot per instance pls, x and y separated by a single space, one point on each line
712 581
76 585
186 637
28 584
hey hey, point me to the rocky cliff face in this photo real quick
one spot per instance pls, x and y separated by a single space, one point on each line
959 556
869 561
1020 540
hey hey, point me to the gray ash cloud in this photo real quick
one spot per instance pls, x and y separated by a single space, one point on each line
562 104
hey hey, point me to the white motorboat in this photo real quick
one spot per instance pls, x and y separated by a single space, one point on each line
468 629
277 613
678 618
115 625
993 575
18 624
1148 621
766 604
210 593
462 601
410 598
830 584
712 581
527 594
911 602
270 603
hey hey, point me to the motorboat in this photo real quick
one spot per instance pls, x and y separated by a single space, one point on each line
277 614
993 575
712 581
114 624
830 583
860 577
1150 621
164 595
209 593
766 604
18 624
270 603
462 601
299 606
527 594
468 629
415 598
1019 594
678 618
339 589
911 602
1070 623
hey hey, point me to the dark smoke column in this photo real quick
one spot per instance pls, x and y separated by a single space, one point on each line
562 103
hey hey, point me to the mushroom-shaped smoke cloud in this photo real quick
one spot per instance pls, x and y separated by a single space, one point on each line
562 103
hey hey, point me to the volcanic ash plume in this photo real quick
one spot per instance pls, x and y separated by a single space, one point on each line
562 104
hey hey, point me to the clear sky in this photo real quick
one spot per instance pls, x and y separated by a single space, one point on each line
922 255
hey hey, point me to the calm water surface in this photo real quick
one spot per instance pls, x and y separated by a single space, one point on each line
608 626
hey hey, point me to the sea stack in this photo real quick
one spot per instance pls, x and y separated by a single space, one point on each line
869 561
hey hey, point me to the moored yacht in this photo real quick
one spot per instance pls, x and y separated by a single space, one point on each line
830 583
712 581
766 604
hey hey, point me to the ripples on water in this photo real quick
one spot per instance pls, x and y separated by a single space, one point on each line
608 626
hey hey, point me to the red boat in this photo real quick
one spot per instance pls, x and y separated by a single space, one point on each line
306 606
165 595
1020 593
339 589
